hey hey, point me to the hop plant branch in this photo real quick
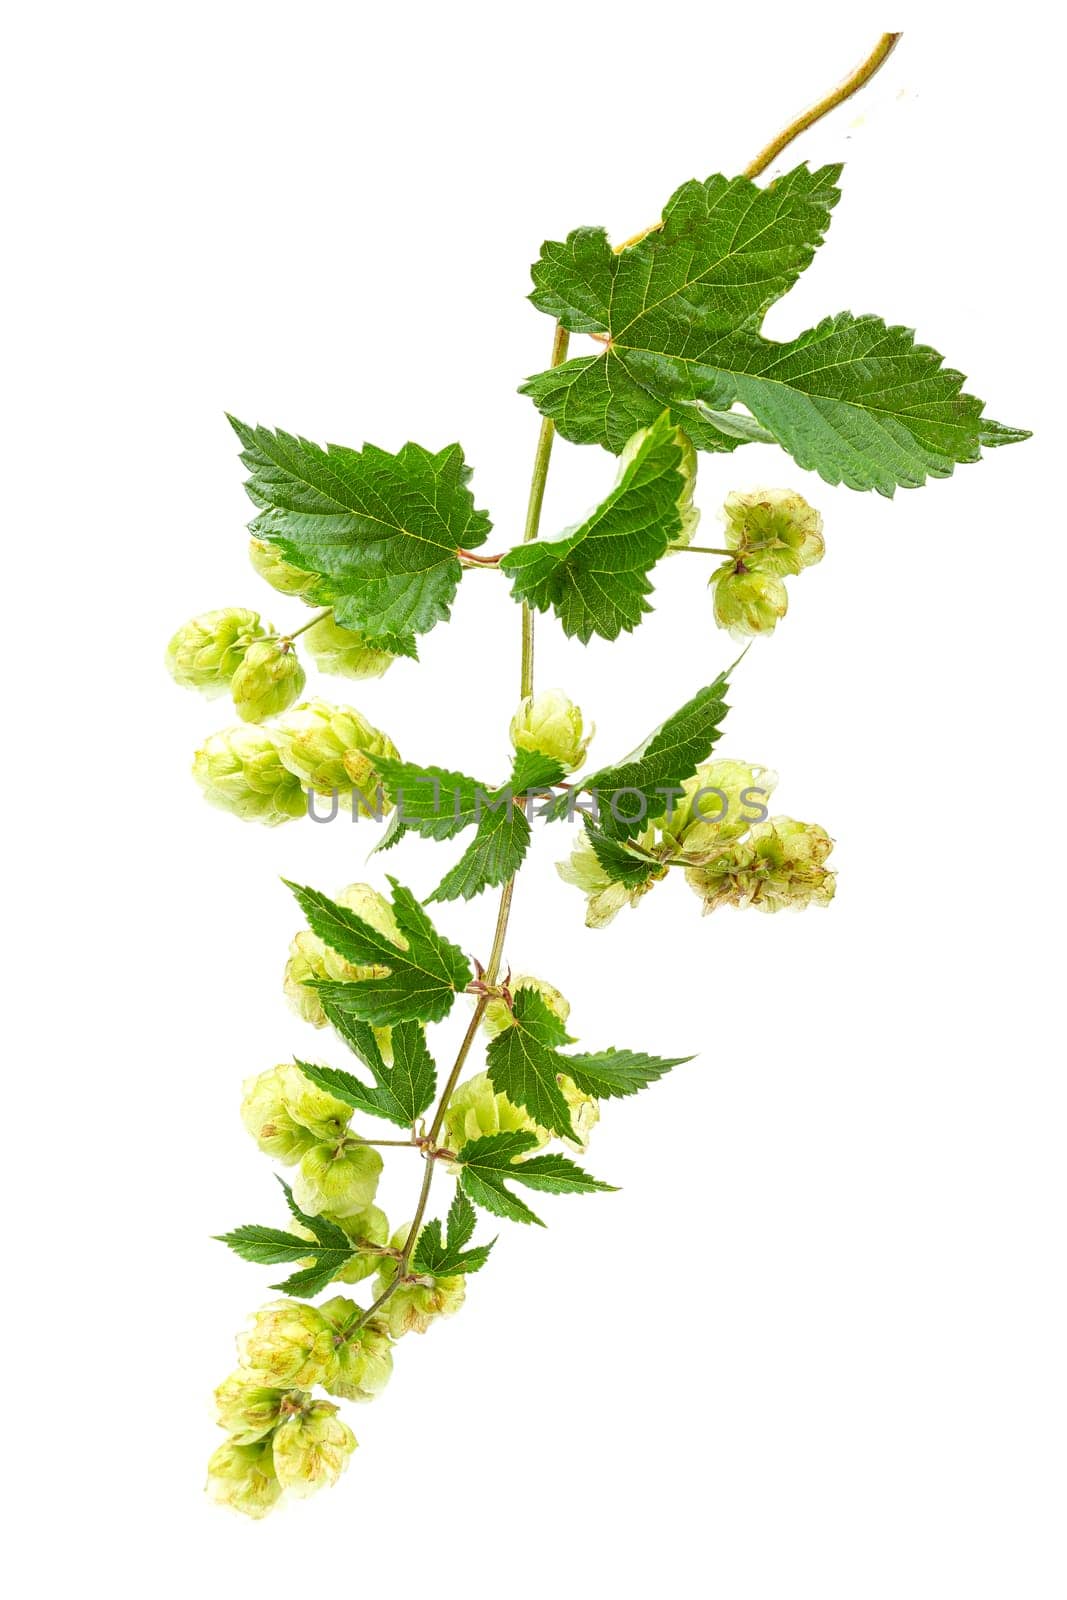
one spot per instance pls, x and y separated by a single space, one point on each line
381 541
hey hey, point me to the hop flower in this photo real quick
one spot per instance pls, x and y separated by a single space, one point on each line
265 1113
720 801
747 600
584 1110
340 1179
324 1117
205 653
246 1408
477 1110
344 652
242 1476
776 528
240 770
311 1449
364 1354
498 1015
550 723
412 1307
688 468
780 865
606 898
268 680
370 1227
331 748
311 958
290 1345
280 574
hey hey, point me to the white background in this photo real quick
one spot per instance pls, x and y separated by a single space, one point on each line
815 1346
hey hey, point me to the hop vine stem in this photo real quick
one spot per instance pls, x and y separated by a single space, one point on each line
542 457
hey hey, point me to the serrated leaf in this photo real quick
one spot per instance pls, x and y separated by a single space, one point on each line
381 531
423 980
610 1074
357 1035
532 771
431 801
634 792
445 1258
265 1246
523 1063
487 1165
620 864
594 576
857 401
439 803
494 855
330 1249
312 1280
402 1090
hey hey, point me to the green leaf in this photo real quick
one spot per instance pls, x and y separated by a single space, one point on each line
852 399
523 1063
594 576
445 1258
610 1074
401 1092
439 804
357 1035
381 531
495 853
265 1246
423 979
329 1250
312 1280
620 863
532 771
487 1165
430 800
634 792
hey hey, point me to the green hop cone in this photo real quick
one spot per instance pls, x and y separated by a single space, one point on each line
339 1179
289 1345
310 958
325 1118
584 1110
776 528
779 866
720 801
280 574
205 652
242 1477
747 601
311 1449
412 1307
331 749
364 1354
241 771
265 1113
550 723
363 1227
268 680
345 653
246 1408
606 898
